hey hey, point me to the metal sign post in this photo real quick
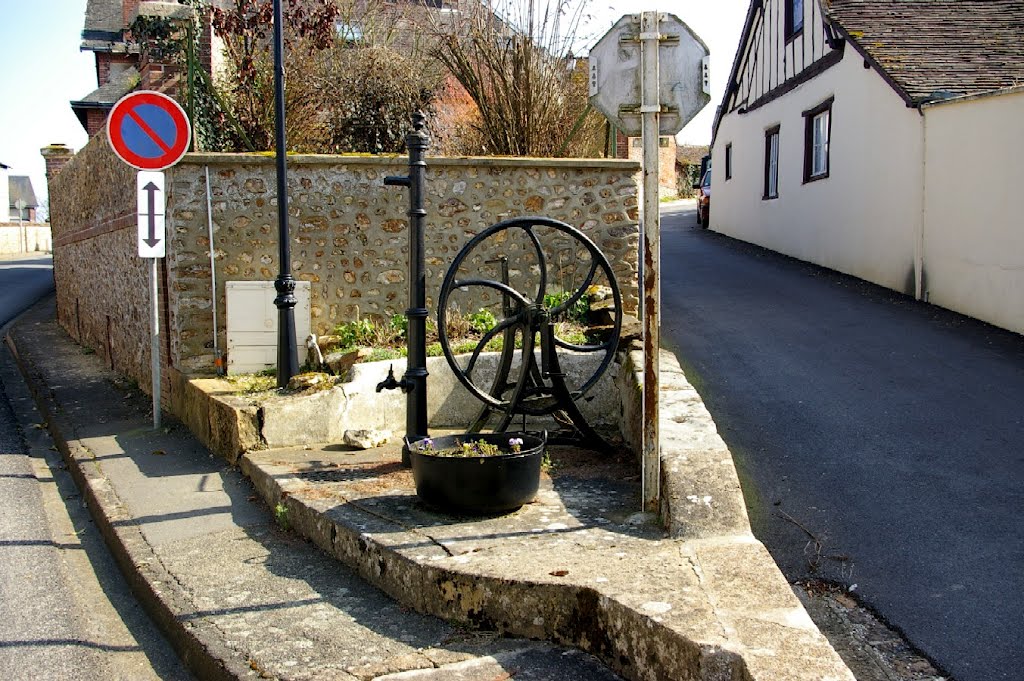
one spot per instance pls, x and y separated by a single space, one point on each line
152 245
648 76
23 235
150 132
650 114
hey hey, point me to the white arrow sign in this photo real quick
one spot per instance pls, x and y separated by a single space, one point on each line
152 205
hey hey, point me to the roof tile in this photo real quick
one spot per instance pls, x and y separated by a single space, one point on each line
935 49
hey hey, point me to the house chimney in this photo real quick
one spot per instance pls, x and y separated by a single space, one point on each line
56 155
129 10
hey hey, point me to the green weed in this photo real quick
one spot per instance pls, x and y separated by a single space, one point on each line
281 516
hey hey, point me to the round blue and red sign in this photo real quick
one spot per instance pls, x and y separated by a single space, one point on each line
148 130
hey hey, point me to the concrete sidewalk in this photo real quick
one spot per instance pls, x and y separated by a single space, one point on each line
242 598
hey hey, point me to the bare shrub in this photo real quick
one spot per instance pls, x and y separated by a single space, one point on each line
354 74
516 63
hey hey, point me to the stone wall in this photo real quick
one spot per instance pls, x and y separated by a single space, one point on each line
102 284
349 237
350 233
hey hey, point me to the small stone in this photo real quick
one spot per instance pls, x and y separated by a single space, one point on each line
341 364
641 518
307 381
366 439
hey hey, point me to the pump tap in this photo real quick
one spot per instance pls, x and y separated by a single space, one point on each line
390 383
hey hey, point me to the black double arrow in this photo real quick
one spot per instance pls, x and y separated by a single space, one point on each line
151 189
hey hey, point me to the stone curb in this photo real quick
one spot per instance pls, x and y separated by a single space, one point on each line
743 623
565 613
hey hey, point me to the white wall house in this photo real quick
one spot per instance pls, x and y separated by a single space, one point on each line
882 140
5 195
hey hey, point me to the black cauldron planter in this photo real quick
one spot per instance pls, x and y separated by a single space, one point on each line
452 474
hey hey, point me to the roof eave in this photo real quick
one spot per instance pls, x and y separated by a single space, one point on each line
80 109
998 92
731 83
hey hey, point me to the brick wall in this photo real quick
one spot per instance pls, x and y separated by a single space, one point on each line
349 237
163 78
632 148
105 62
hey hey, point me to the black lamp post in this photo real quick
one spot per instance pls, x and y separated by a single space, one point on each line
287 354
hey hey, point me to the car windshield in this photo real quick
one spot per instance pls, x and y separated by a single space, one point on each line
707 179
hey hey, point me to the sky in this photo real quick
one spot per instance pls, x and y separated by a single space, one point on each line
42 69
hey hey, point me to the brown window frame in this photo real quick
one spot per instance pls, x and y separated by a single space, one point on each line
774 131
809 116
791 29
728 161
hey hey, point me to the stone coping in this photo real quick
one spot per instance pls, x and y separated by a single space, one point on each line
231 424
690 594
267 158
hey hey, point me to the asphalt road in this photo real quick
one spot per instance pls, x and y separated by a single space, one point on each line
22 282
65 611
880 441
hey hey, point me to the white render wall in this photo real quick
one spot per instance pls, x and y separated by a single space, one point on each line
27 237
974 212
5 195
865 218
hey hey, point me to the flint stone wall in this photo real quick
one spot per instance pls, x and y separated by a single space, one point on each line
350 233
349 237
102 285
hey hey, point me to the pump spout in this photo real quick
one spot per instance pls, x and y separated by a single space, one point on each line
390 383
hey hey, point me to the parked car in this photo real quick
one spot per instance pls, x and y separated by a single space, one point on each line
704 200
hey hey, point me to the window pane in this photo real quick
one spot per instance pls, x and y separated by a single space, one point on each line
772 185
819 153
797 20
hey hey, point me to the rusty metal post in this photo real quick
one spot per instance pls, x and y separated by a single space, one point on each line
650 111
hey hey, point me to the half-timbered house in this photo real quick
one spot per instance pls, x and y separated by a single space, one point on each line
884 140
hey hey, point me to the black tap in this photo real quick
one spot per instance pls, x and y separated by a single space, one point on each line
390 383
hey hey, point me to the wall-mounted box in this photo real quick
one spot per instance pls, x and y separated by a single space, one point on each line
252 324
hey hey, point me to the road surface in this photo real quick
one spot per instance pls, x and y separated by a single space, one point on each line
880 441
65 611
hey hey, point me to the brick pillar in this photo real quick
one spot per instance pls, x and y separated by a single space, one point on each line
163 78
156 75
56 156
129 10
621 145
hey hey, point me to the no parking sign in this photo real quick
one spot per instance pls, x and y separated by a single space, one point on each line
148 130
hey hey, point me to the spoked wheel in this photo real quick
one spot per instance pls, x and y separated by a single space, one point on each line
522 287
